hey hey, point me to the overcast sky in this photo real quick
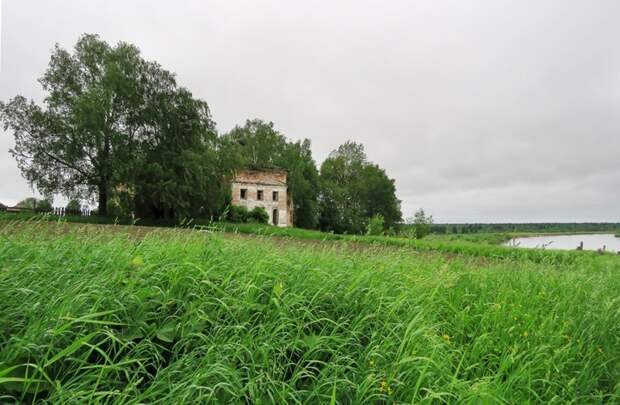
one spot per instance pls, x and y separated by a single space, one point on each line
481 110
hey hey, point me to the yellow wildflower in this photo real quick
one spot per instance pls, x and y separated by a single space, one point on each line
525 334
385 387
137 261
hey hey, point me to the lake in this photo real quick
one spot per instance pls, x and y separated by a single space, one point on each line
569 242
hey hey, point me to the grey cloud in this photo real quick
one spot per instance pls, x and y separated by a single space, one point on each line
481 110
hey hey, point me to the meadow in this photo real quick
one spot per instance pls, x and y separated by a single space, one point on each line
114 314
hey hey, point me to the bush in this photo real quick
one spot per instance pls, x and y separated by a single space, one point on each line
421 224
44 206
29 203
238 213
376 225
73 207
258 214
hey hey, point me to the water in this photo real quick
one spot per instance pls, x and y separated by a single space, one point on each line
569 242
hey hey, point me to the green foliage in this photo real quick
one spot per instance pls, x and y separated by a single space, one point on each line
421 223
353 190
182 174
29 203
257 145
487 238
238 213
376 225
44 205
73 206
259 215
177 314
113 121
37 205
82 141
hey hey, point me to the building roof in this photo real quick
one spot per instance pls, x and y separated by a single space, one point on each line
268 177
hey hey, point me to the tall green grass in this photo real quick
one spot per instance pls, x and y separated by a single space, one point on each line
483 245
92 316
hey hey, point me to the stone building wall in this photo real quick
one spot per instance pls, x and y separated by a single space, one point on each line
267 181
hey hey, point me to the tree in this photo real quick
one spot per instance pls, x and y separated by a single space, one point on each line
421 223
29 203
353 190
34 204
180 172
84 139
303 182
73 206
44 205
258 145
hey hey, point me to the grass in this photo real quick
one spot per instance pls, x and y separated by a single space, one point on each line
92 315
482 245
488 238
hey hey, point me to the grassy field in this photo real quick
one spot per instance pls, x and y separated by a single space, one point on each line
118 314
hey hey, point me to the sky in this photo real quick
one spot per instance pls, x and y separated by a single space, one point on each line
482 111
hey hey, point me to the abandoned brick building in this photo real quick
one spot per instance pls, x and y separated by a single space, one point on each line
265 188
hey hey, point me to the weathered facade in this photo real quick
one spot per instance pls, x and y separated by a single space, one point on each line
264 188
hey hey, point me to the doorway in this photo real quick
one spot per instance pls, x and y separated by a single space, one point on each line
275 217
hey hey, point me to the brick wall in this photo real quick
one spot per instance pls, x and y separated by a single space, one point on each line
268 181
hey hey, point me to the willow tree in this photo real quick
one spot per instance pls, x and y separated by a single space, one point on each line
83 139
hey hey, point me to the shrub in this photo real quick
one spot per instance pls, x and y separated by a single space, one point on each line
29 203
238 213
73 207
376 225
421 223
258 214
44 206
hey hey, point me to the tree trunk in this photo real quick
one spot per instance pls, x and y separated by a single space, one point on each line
103 201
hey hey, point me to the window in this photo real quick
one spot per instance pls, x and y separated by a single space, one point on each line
275 196
259 195
244 193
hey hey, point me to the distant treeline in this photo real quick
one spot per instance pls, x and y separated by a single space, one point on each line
551 227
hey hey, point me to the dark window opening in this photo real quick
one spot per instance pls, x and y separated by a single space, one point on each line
259 195
244 193
275 196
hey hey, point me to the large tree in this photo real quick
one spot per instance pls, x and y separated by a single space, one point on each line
84 139
259 145
181 171
353 190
